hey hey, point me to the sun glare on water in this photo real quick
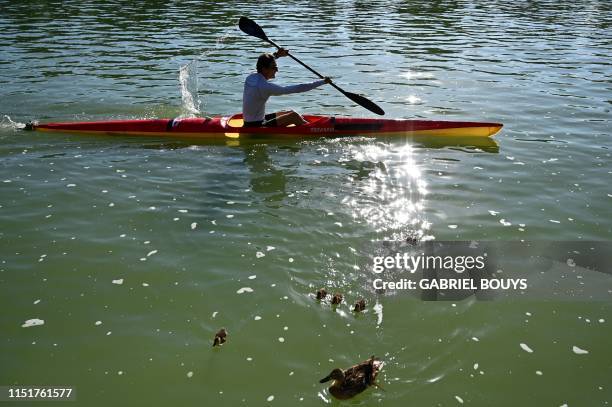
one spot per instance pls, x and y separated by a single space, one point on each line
392 196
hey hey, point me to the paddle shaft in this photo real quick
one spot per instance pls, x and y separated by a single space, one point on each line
305 66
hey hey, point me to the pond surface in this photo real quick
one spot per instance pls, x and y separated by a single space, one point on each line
134 252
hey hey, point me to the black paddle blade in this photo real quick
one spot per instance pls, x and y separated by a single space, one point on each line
367 103
250 27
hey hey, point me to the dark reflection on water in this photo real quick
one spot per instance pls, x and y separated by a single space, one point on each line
266 178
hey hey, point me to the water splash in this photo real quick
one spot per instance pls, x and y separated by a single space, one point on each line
8 124
392 196
188 80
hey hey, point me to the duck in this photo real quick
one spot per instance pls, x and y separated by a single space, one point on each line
336 299
354 380
360 305
321 294
220 337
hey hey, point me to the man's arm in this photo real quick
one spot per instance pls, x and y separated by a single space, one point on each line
275 90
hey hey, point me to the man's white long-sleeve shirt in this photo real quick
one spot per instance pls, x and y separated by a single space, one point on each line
257 90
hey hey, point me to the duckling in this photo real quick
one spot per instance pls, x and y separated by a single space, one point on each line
220 337
360 305
336 299
352 381
321 294
413 238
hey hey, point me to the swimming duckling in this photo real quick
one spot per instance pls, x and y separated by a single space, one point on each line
413 238
220 337
336 299
352 381
321 294
360 305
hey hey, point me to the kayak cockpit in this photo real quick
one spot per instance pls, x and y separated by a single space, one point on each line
237 122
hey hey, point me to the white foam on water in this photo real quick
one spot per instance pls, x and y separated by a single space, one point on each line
579 351
378 310
33 322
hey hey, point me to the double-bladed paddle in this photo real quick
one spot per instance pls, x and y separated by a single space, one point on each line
250 27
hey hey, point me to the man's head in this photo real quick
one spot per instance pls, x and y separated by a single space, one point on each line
266 65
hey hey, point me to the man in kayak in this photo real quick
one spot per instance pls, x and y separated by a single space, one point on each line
257 90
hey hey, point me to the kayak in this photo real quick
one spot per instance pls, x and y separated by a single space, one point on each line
232 127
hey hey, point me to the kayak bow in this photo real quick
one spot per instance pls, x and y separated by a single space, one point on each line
231 126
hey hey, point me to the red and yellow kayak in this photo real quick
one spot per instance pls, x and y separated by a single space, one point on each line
231 126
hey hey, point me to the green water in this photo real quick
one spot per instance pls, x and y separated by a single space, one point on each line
186 226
